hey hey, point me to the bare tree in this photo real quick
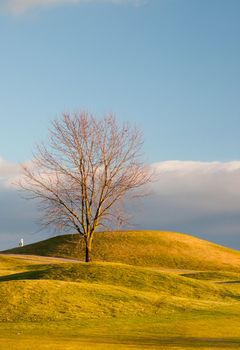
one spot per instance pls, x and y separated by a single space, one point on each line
83 172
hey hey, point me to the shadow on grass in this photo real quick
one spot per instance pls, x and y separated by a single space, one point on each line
229 282
29 275
186 342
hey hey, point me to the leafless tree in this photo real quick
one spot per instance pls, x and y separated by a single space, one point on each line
82 173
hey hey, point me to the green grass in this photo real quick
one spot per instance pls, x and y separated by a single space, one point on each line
120 275
167 332
142 248
217 276
96 290
114 305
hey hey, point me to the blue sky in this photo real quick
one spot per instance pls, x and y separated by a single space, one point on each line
170 66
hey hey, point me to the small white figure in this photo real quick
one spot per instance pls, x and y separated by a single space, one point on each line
21 244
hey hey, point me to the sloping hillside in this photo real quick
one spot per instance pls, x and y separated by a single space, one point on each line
142 248
107 305
73 291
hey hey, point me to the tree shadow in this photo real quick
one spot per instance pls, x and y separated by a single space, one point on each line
28 275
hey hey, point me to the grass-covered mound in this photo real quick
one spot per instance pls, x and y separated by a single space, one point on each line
9 265
75 291
12 264
142 248
121 275
49 305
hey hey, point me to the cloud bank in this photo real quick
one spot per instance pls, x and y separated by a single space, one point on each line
19 7
200 198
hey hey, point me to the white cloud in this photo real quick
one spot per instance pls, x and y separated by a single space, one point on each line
7 168
215 183
19 7
201 198
8 171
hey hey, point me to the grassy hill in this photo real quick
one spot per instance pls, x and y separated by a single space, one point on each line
142 248
100 290
104 305
155 290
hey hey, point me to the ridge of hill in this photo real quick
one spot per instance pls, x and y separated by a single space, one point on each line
61 304
141 248
75 291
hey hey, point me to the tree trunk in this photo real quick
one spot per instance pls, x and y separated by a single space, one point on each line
88 252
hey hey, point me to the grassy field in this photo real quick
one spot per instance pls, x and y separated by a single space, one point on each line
169 301
142 248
